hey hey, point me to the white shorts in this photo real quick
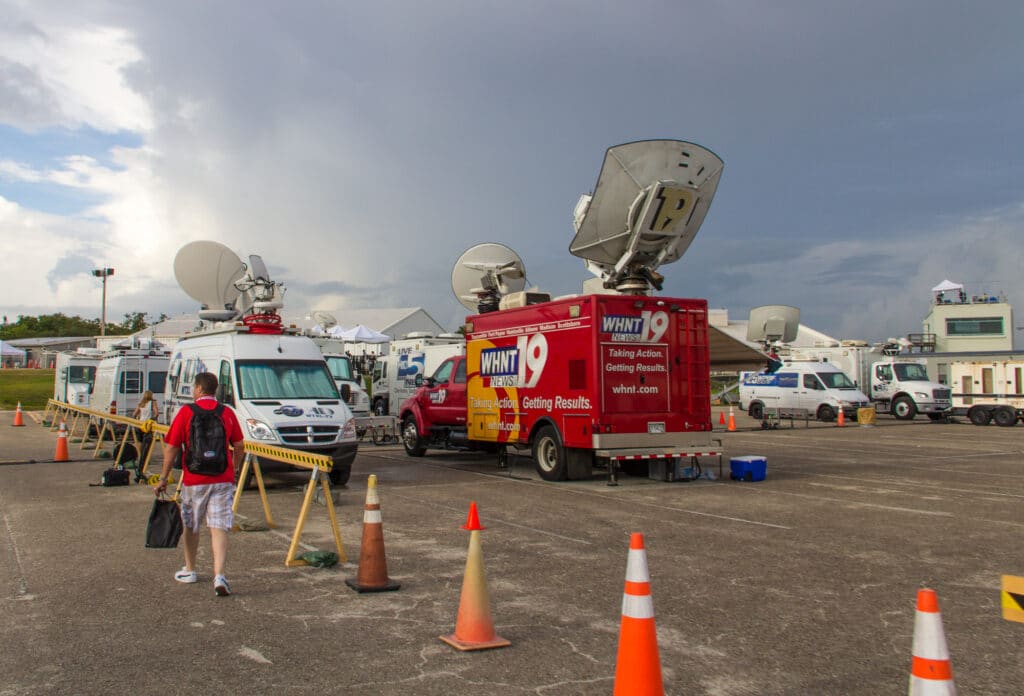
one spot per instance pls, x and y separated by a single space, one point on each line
210 502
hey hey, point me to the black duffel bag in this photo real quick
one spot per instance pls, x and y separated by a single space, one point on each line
164 527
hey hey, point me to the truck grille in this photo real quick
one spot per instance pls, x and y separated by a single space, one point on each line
941 393
308 434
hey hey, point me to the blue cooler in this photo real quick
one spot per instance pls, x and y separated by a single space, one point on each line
750 468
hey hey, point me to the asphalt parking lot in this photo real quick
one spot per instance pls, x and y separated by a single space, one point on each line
803 583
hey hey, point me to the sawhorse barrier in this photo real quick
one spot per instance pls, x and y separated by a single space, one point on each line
319 465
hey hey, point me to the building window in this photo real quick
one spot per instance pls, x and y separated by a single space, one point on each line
982 326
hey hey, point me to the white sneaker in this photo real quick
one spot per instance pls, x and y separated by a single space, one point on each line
186 576
220 586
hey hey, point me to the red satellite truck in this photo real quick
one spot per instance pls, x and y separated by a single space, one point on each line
614 377
607 380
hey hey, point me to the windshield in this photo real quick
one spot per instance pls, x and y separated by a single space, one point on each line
835 380
910 372
340 367
82 374
285 379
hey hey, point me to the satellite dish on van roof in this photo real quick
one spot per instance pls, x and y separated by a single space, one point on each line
484 274
773 324
649 202
207 272
326 320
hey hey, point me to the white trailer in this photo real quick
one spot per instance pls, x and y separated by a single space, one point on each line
988 391
394 375
75 375
133 367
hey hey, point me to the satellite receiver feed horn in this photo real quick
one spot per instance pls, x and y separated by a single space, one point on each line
650 200
260 294
484 274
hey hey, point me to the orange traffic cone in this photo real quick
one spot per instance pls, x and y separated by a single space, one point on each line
721 417
18 422
638 666
732 421
373 566
61 455
931 673
841 419
474 628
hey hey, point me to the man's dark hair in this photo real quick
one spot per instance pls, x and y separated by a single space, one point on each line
207 381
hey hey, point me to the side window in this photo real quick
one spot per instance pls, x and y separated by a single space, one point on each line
226 394
188 374
443 372
157 382
811 382
172 375
460 373
883 372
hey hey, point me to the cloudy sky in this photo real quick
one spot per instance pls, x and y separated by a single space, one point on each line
871 149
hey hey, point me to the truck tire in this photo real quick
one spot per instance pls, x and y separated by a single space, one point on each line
1005 416
340 474
904 408
549 455
411 439
756 410
979 415
826 413
379 408
938 417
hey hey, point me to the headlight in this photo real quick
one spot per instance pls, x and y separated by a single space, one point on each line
260 430
921 395
349 431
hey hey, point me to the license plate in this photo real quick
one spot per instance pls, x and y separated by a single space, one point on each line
655 428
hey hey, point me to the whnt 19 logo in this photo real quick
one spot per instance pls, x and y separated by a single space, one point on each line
515 366
648 327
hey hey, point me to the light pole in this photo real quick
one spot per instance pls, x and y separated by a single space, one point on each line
104 273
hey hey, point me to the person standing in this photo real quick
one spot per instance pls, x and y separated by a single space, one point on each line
199 439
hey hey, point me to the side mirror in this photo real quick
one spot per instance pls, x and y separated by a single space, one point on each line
419 380
346 393
220 394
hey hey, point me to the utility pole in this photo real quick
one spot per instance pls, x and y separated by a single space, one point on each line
103 273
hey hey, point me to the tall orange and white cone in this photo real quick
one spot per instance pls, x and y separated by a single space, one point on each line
372 575
474 628
840 418
18 421
931 673
61 454
638 666
732 421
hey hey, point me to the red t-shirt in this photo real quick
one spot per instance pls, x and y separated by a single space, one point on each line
177 436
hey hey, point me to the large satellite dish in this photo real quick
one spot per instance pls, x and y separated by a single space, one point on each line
484 274
773 324
207 272
649 202
325 320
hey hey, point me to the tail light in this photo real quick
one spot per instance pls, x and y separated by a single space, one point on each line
113 408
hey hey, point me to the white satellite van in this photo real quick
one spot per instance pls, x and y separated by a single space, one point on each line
74 376
131 368
278 385
819 387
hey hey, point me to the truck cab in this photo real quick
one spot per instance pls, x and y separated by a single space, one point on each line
903 389
435 415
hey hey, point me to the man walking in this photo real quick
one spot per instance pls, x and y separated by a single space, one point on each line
198 439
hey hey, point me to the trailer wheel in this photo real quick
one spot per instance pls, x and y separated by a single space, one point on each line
826 413
549 455
904 408
411 439
756 410
1004 416
979 416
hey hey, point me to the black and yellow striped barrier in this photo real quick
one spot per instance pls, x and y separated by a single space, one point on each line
319 465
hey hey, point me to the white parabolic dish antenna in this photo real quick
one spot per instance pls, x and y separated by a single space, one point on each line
326 320
773 324
484 274
649 202
207 272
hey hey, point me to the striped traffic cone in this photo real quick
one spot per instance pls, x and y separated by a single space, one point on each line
61 454
373 566
18 422
638 666
474 628
840 419
732 421
931 673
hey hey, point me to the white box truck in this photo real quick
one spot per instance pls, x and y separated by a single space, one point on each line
394 375
75 375
131 368
277 383
818 387
988 392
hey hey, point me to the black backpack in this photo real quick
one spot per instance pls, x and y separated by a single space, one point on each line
207 449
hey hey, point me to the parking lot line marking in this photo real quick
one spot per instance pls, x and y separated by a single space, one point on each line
891 508
22 582
909 484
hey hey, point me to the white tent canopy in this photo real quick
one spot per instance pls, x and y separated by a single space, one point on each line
363 334
947 285
9 351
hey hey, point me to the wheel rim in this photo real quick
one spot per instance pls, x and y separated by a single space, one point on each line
410 435
547 455
902 409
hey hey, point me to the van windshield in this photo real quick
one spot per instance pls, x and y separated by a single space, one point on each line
285 379
835 380
910 372
340 367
